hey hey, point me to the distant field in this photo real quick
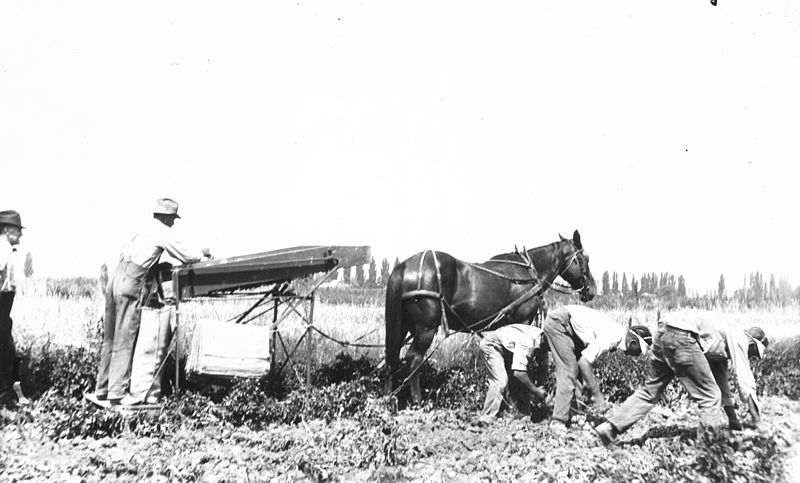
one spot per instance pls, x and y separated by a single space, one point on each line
348 316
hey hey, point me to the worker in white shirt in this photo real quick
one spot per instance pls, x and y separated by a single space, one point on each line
10 234
577 336
126 294
510 349
696 346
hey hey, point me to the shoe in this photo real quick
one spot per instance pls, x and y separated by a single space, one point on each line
130 401
483 421
558 428
21 399
606 433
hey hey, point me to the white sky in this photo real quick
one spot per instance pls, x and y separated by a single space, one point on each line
666 132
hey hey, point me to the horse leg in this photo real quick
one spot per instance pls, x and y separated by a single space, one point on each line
415 356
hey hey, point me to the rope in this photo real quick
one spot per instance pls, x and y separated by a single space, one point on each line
518 281
352 344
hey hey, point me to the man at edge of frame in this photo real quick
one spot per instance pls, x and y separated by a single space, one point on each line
696 346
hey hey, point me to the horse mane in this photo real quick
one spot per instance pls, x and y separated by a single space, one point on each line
535 253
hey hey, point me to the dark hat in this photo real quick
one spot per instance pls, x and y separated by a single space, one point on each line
10 217
758 337
644 332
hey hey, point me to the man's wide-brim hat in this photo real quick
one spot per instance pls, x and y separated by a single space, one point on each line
10 217
166 206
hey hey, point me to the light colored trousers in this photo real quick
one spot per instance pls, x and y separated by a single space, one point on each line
676 353
564 347
120 328
497 360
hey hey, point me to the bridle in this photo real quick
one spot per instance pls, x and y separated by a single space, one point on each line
567 289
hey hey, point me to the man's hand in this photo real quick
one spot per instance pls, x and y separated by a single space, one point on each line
207 253
539 393
601 406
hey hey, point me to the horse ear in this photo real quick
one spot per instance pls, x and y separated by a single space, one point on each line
561 237
576 238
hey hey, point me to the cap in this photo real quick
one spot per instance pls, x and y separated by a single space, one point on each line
166 206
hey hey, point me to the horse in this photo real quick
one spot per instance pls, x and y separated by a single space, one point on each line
432 288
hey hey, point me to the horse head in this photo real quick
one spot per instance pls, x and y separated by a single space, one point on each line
576 271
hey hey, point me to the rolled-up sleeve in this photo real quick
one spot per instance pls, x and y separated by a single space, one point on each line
178 249
608 341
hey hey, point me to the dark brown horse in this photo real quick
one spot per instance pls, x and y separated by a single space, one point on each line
507 289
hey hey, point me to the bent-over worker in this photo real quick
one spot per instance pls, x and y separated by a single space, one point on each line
577 336
696 346
126 294
510 349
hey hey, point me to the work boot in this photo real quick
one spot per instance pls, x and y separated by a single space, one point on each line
606 433
483 421
130 400
21 399
733 419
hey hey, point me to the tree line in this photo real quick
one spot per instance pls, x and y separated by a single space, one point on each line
667 290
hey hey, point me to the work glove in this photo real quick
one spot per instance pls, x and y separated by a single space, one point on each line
733 420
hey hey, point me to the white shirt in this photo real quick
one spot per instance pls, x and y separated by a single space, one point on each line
720 340
598 332
145 248
8 279
520 340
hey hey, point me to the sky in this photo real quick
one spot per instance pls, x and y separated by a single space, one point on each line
665 132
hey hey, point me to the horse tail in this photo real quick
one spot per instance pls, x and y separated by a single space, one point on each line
395 331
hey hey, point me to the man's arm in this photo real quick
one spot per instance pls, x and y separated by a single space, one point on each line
740 364
537 392
178 250
587 374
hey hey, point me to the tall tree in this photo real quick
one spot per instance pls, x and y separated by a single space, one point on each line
346 276
721 287
772 287
384 272
606 287
359 275
372 276
103 276
615 283
28 265
625 288
681 287
634 288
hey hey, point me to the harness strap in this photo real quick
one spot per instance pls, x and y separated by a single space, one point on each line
420 292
